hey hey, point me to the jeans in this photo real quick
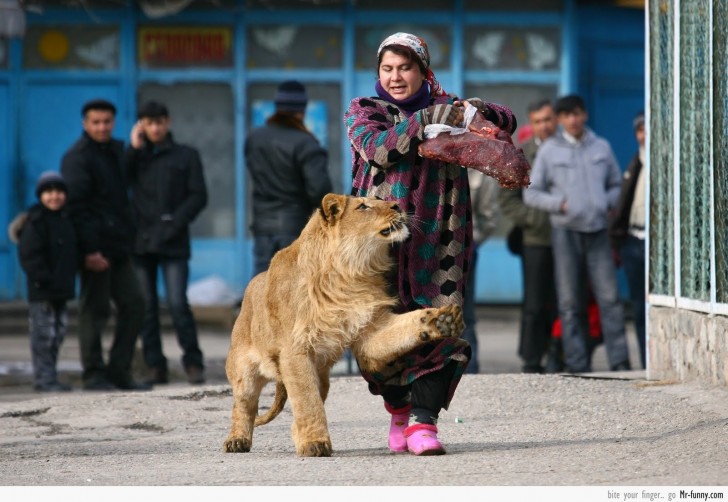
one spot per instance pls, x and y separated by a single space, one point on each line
577 254
470 318
48 325
538 311
175 272
265 246
119 284
633 259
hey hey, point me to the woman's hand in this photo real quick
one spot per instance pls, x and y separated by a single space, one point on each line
451 115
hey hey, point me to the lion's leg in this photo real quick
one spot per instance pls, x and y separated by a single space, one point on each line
247 387
305 391
401 333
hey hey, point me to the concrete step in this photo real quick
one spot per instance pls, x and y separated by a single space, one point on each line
14 317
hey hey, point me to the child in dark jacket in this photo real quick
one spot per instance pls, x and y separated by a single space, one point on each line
49 258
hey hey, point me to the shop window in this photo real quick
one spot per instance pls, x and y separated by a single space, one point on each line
520 6
185 46
71 48
4 56
437 38
511 48
294 46
273 5
202 117
411 5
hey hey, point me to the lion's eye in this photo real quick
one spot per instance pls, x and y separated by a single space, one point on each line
362 207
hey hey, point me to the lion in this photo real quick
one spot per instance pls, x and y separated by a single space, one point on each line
324 293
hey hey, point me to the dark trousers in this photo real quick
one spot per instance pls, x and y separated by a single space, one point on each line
48 324
633 258
427 392
539 309
265 246
175 272
119 284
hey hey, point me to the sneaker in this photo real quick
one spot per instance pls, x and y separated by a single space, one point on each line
52 387
195 375
157 376
129 384
400 416
623 366
98 384
422 440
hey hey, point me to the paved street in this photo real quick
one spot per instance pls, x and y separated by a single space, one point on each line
601 432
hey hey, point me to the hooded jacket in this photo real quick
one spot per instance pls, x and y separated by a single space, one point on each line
48 254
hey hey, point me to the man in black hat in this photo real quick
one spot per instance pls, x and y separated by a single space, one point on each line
99 207
289 174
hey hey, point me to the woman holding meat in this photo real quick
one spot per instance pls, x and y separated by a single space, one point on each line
432 266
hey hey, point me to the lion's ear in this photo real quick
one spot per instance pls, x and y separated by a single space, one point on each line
332 205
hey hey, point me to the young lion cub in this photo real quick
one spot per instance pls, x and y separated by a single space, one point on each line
323 293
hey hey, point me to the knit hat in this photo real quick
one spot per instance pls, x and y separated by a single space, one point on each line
48 180
638 121
419 47
291 97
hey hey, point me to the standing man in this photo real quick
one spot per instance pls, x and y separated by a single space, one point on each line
484 201
289 171
99 207
538 310
627 231
168 192
577 180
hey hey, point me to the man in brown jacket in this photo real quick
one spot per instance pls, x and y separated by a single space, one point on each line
539 308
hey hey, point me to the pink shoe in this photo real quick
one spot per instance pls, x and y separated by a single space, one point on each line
400 417
422 440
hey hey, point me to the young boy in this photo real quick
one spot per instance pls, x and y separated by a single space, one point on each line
49 258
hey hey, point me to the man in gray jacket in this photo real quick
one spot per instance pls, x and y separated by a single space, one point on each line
576 179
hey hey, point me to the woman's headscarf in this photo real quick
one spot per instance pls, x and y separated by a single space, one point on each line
420 47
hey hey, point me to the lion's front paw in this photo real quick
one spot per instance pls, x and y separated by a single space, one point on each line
443 322
236 445
315 449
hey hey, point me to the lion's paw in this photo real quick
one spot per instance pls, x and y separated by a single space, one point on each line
236 445
443 322
315 449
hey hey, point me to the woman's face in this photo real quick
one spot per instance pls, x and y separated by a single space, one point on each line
400 77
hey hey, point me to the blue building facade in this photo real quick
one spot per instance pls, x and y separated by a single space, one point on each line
216 65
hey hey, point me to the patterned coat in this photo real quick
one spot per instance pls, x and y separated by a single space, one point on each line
434 262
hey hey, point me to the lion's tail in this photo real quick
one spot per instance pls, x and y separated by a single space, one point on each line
278 401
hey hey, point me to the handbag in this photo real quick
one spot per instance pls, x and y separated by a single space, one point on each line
514 240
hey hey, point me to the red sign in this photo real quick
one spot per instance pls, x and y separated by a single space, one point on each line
181 46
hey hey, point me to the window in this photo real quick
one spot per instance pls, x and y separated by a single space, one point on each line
71 47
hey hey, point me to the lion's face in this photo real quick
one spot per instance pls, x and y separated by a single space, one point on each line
365 218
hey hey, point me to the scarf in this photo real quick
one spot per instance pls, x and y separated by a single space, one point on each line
418 101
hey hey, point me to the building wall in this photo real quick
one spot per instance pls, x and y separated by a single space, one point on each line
509 54
687 140
685 345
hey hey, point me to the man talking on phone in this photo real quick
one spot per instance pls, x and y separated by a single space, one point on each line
168 192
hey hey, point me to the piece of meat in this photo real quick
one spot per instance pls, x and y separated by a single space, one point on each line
485 147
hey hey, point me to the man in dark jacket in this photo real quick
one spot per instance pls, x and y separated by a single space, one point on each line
627 232
168 192
100 211
289 172
48 255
